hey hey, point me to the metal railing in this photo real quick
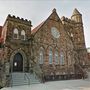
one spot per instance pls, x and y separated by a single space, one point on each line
26 76
84 72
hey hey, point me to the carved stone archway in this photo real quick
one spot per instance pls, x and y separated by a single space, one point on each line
18 63
22 53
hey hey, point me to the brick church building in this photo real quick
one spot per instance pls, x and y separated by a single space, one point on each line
54 50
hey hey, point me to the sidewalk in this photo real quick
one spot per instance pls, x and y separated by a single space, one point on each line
56 85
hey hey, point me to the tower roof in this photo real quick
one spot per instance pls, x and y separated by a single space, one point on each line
75 12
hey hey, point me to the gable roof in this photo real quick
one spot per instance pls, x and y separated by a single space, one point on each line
41 24
36 28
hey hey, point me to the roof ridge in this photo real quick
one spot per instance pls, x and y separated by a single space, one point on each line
37 27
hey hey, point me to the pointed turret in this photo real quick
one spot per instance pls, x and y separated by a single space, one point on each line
75 12
76 16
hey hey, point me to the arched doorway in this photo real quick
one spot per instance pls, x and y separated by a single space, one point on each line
17 63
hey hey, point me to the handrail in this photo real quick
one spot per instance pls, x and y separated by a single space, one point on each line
80 67
37 75
83 71
25 75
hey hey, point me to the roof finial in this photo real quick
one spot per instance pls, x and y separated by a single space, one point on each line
54 10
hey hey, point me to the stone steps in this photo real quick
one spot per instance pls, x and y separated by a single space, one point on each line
19 79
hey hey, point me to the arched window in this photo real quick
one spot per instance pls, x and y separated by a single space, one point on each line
23 35
41 56
50 56
56 57
15 33
61 58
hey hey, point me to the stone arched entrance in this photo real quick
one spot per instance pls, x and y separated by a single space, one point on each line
17 63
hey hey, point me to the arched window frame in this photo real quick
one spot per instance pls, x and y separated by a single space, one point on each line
23 37
15 33
50 56
61 58
56 57
41 56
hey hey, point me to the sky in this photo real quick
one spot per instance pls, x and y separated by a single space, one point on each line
39 10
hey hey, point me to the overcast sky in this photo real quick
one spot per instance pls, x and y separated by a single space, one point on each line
39 10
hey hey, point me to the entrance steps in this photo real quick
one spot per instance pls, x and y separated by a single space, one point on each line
18 79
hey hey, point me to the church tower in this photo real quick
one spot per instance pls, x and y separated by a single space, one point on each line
79 40
78 32
16 33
